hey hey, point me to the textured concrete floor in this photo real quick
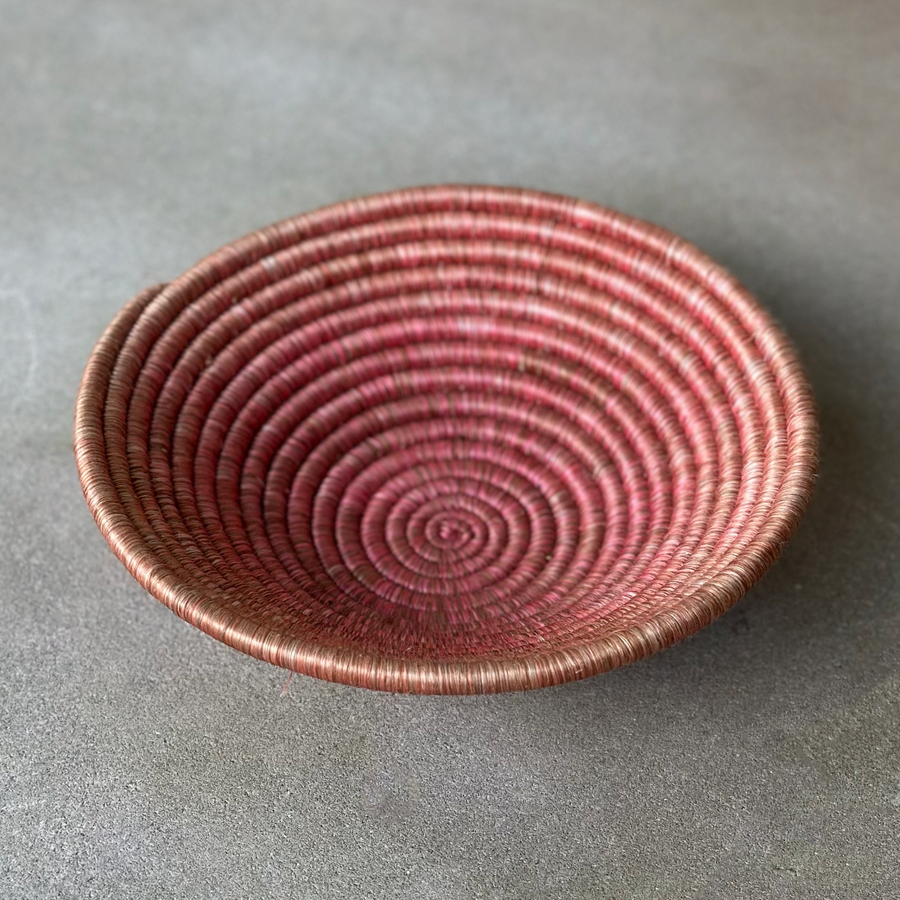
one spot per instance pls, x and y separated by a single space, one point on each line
139 758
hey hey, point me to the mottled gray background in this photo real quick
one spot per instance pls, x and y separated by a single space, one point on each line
140 758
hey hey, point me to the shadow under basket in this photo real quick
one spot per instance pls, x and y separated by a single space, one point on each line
447 440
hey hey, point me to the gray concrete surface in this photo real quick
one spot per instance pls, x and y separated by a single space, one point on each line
139 758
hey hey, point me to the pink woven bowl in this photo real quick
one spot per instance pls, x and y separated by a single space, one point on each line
447 440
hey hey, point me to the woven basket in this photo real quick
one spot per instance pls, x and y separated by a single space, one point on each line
447 440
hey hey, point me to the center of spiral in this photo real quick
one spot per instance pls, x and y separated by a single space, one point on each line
448 531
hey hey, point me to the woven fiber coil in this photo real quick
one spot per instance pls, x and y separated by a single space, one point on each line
447 440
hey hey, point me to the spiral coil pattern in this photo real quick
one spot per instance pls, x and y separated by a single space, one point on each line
448 439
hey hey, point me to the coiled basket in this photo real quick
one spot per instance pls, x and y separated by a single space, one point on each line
447 440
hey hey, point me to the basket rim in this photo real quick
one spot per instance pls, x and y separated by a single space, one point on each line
464 675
